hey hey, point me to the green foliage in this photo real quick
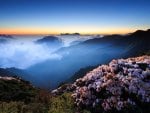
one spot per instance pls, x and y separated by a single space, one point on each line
34 108
11 107
62 104
86 111
20 107
13 90
57 104
19 96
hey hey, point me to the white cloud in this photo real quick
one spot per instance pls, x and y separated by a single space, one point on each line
22 54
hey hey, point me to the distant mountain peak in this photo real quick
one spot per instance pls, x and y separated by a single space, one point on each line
48 39
72 34
148 30
5 36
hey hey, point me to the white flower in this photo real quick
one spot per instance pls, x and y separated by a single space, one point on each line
103 80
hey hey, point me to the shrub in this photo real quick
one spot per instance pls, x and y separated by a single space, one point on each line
62 104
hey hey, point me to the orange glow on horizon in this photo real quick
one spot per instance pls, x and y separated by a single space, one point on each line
82 30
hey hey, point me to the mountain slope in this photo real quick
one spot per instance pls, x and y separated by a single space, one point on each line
135 40
19 72
122 86
89 53
16 89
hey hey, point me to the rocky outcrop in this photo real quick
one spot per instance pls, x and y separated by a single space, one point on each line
122 83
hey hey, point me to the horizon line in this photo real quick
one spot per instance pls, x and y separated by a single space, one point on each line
81 33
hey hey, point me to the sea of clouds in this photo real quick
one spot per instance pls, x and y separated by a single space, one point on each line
23 52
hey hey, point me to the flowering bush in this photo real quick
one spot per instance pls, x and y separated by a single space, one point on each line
124 84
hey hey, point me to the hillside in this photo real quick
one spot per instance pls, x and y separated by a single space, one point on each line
20 96
132 42
88 53
19 72
16 89
120 87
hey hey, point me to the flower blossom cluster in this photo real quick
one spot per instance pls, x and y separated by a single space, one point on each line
122 83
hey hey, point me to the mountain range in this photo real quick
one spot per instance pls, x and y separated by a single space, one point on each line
122 86
92 52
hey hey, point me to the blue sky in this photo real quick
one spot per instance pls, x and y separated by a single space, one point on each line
84 16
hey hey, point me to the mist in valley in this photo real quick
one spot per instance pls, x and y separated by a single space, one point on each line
51 60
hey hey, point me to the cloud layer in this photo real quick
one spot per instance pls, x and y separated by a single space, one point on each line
22 54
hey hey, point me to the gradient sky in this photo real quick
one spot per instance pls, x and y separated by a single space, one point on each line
83 16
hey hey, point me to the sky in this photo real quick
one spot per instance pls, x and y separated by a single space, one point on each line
69 16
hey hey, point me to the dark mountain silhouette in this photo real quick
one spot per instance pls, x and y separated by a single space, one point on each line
134 40
14 72
72 34
5 36
49 39
89 53
4 72
19 72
